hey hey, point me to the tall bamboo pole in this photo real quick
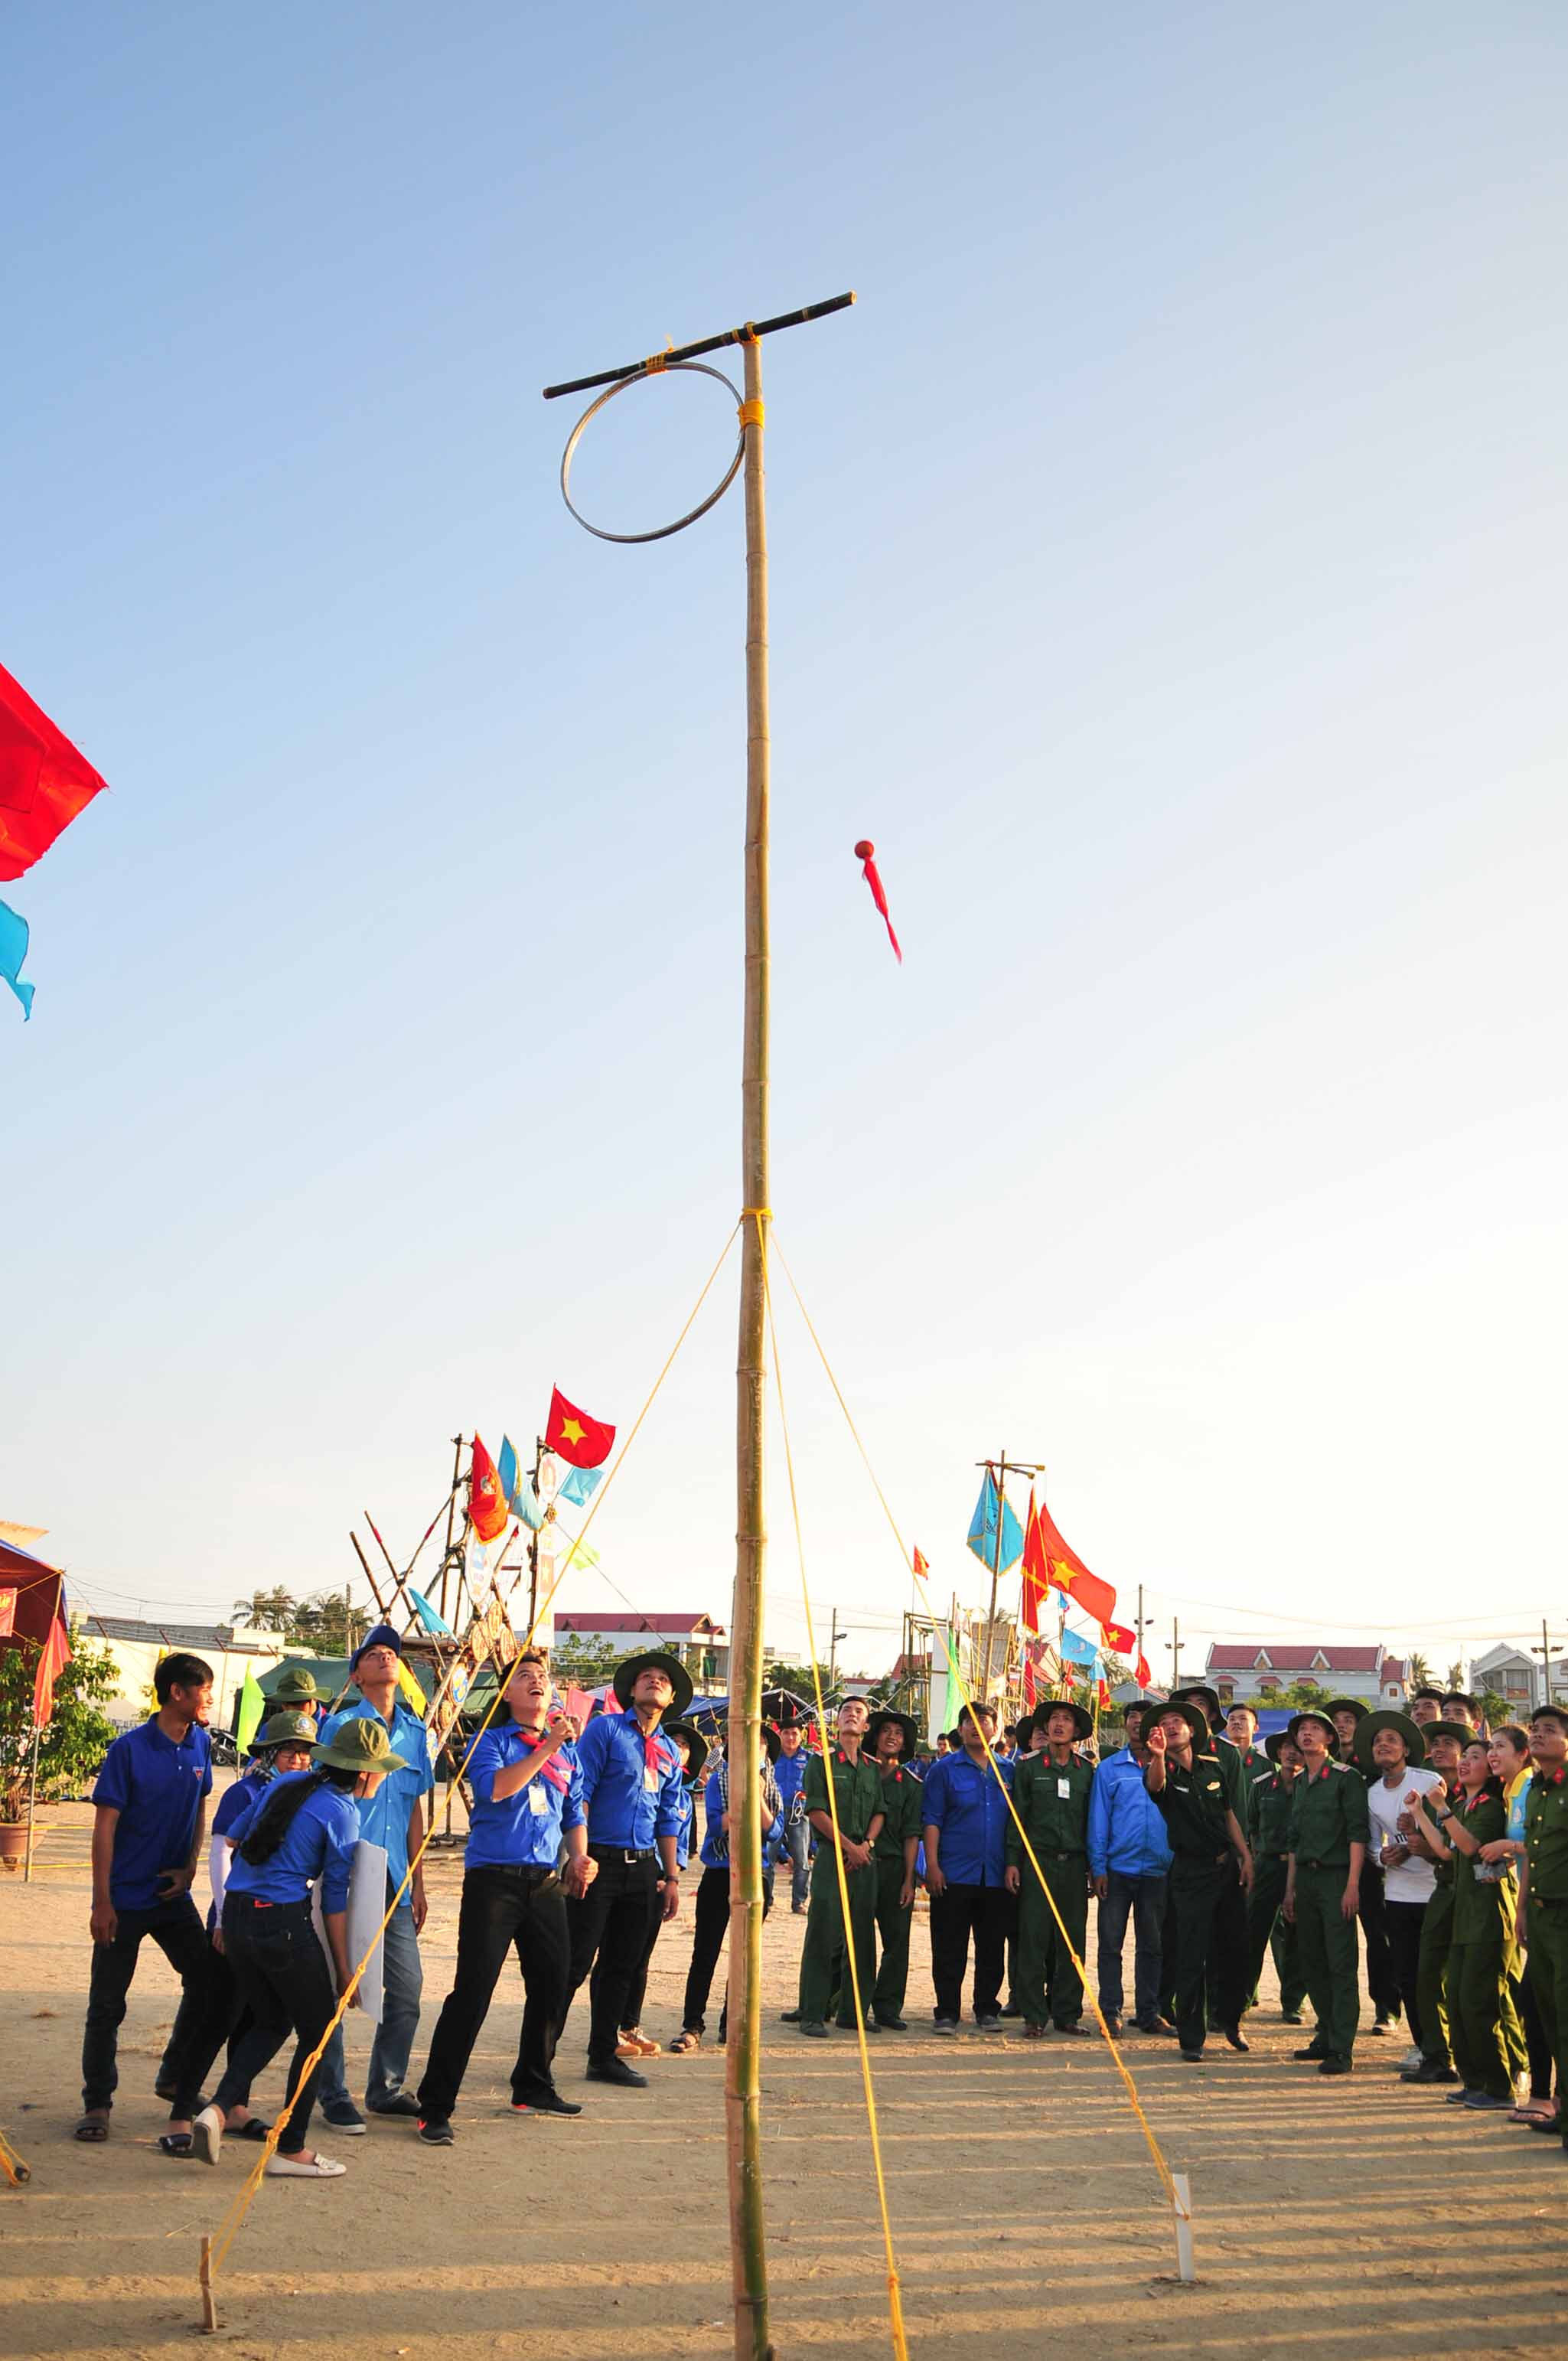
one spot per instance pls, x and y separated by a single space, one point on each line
742 2059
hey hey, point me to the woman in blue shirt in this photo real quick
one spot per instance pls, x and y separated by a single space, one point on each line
301 1831
527 1799
713 1891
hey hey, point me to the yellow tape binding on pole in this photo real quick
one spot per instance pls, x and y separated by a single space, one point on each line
750 414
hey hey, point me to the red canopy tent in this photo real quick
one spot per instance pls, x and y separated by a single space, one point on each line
32 1610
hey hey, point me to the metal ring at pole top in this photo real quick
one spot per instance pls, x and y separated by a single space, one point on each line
662 533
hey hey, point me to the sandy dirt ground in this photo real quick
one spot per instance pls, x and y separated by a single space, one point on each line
1333 2220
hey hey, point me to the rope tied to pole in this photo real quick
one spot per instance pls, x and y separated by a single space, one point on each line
750 414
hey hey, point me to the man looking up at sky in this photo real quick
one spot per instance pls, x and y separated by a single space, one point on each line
789 1771
1208 1848
1329 1834
966 1826
392 1817
858 1796
1129 1859
1051 1795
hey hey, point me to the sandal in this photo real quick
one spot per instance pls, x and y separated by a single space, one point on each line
92 2129
1034 2032
174 2143
684 2043
252 2129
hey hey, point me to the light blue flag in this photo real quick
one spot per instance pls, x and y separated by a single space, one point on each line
581 1485
430 1617
1076 1650
13 951
983 1528
506 1469
525 1503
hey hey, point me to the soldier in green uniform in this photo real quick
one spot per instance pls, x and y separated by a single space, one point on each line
1543 1887
1443 1741
1268 1833
1227 1986
1329 1835
856 1792
1186 1783
1483 2027
890 1740
1050 1796
1382 1984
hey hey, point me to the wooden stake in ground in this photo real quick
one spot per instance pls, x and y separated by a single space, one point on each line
742 2084
209 2301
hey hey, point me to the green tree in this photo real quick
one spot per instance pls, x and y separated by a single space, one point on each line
271 1611
77 1736
1495 1710
579 1661
1421 1672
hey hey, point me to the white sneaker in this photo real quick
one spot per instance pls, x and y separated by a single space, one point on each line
1410 2061
207 2134
294 2167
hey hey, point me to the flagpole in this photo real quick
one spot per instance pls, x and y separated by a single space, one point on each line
995 1570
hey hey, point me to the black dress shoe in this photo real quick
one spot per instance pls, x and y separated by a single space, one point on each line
1193 2057
1154 2025
616 2069
1235 2037
789 2016
1333 2066
405 2104
549 2102
893 2023
814 2027
1428 2071
1011 2009
1316 2055
1291 2016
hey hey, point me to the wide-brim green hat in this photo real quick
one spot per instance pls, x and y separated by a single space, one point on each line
1082 1719
1318 1713
1191 1713
1346 1704
694 1740
295 1682
1275 1740
1201 1694
286 1728
359 1745
655 1660
1387 1717
884 1715
1457 1730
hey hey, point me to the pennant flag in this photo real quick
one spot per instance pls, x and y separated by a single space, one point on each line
921 1568
1117 1636
983 1528
1069 1572
430 1617
507 1468
865 852
44 781
585 1442
582 1554
411 1689
52 1661
252 1705
1036 1573
1102 1695
581 1485
487 1503
579 1704
1077 1650
1142 1674
525 1503
13 951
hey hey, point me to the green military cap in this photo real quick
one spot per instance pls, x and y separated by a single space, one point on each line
284 1730
1207 1697
295 1684
359 1745
653 1660
1082 1721
1346 1704
1275 1740
699 1745
1458 1730
880 1721
1318 1713
1367 1727
1191 1713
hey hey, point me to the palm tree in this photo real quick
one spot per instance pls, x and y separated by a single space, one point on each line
1419 1672
270 1611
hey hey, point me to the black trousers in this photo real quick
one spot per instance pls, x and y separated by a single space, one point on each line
1402 1924
1226 1978
502 1910
283 1978
986 1915
609 1929
176 1928
1538 2048
1196 1895
1382 1984
708 1942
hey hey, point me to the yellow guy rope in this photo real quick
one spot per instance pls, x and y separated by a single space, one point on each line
907 1562
895 2297
18 2173
231 2222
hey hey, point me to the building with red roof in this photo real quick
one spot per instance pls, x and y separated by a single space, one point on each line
1254 1668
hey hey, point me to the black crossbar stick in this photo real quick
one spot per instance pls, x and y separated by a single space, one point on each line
708 345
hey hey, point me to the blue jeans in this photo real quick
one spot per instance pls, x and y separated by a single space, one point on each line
798 1846
1142 1898
401 1983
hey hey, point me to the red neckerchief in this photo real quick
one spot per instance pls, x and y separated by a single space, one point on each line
552 1768
654 1757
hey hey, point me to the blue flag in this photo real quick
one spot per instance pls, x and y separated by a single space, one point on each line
1076 1650
430 1617
982 1527
506 1469
525 1503
13 951
581 1485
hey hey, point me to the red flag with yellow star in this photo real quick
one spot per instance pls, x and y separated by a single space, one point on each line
573 1435
1036 1575
1069 1572
486 1501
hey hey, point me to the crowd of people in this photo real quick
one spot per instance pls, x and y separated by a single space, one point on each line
1436 1848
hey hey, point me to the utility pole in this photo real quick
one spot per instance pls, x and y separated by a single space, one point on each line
834 1636
999 1471
1174 1644
1545 1652
1139 1628
533 1542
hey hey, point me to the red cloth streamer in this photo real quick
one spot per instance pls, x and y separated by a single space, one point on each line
44 781
865 852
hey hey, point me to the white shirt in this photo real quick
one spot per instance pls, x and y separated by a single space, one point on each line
1414 1880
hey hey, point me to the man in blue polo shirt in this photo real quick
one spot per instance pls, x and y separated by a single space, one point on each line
789 1771
392 1818
147 1826
1129 1861
967 1821
631 1794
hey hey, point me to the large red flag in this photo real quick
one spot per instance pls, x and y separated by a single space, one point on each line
1036 1573
572 1434
44 781
1142 1674
52 1662
1117 1636
486 1501
1070 1573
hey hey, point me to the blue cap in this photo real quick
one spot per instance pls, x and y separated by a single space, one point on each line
381 1636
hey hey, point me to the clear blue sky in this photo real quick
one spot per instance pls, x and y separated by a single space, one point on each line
1168 572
